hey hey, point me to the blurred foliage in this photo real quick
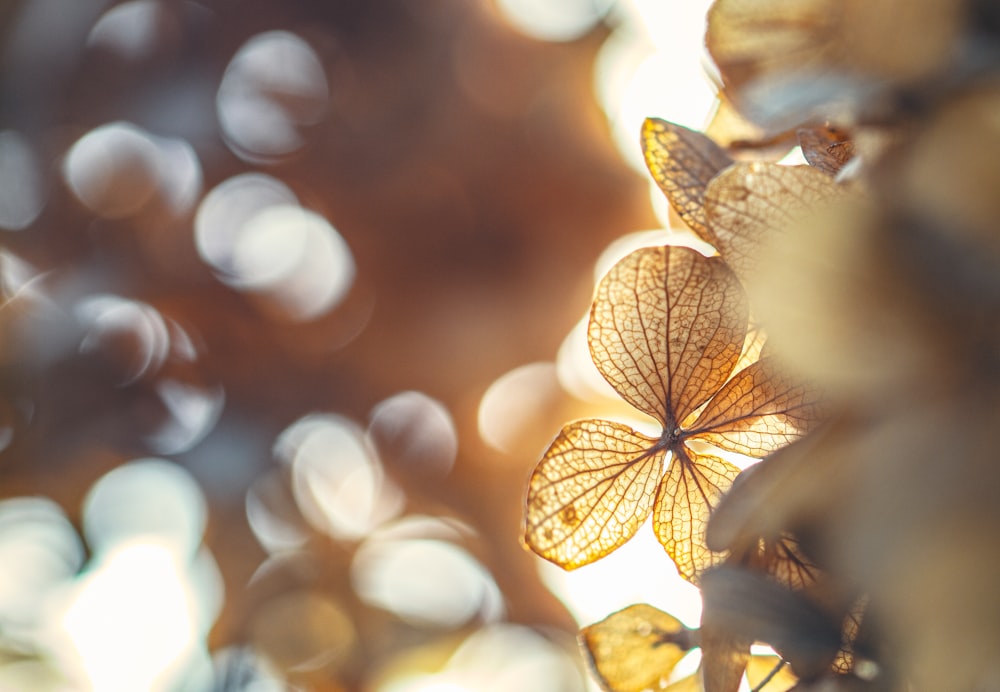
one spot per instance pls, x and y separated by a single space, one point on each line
284 248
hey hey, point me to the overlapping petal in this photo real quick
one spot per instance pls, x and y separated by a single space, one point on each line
682 162
749 203
758 411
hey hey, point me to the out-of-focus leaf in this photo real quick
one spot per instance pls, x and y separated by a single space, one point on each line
747 205
826 147
682 162
591 491
724 658
948 176
747 38
758 44
752 606
783 559
840 312
636 648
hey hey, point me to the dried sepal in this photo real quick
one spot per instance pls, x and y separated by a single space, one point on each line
666 329
749 204
758 411
826 148
751 606
636 648
590 492
769 498
778 60
682 162
691 489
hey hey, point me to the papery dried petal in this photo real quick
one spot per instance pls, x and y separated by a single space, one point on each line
749 204
758 411
666 329
590 492
682 162
690 490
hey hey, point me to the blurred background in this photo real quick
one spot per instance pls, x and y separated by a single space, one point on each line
293 294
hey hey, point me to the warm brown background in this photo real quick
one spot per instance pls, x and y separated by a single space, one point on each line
468 168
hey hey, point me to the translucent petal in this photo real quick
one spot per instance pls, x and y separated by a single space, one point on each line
666 329
685 499
749 203
682 162
758 411
785 561
590 492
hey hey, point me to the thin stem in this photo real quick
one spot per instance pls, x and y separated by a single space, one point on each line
770 676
